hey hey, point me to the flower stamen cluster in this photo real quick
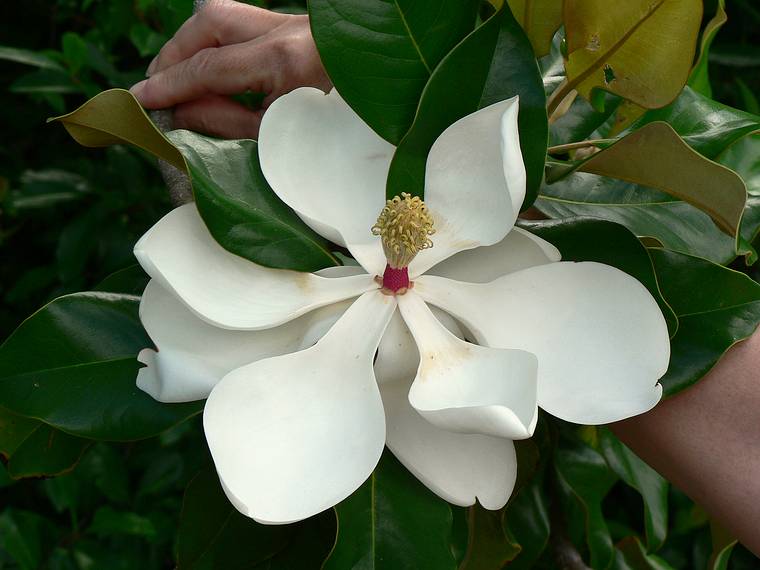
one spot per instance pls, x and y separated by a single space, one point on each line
404 226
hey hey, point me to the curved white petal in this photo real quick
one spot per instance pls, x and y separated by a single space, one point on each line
229 291
193 355
397 355
457 467
474 183
600 338
520 249
295 434
323 161
467 388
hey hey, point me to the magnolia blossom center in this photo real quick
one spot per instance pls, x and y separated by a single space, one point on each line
404 227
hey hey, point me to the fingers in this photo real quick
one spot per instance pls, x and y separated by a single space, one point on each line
218 116
271 64
220 22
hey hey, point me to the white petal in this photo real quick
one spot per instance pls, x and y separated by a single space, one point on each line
600 338
193 355
229 291
474 183
323 161
293 435
397 355
459 468
518 250
467 388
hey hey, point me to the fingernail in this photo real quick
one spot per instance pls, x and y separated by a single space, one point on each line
151 67
137 88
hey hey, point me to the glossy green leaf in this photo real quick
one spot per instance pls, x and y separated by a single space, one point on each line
115 117
646 213
392 521
454 90
631 555
34 449
131 280
699 80
493 63
743 157
585 474
723 310
722 557
46 452
211 531
652 487
606 43
45 82
488 545
240 209
72 365
605 242
705 125
379 54
540 19
527 524
656 157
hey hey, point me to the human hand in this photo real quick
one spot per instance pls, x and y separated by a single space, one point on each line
229 48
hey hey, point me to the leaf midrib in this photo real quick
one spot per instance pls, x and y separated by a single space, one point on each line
69 366
411 36
606 56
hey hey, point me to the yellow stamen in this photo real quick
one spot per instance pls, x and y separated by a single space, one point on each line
405 227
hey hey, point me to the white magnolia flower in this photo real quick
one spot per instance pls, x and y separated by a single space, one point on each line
308 376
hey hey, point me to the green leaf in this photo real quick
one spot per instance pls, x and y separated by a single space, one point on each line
488 546
45 81
604 242
586 476
454 90
131 280
705 125
29 57
211 531
72 365
641 50
743 157
527 524
656 157
646 213
631 555
379 54
392 521
22 536
74 50
493 63
46 452
540 19
652 487
109 522
723 310
240 209
699 80
115 117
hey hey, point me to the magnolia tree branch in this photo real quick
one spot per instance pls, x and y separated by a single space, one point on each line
177 182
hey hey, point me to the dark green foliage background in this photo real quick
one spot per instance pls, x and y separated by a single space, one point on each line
69 217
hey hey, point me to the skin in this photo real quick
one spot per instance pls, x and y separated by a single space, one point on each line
704 440
230 48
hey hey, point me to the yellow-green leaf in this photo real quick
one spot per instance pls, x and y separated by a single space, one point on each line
540 19
641 50
115 117
655 156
